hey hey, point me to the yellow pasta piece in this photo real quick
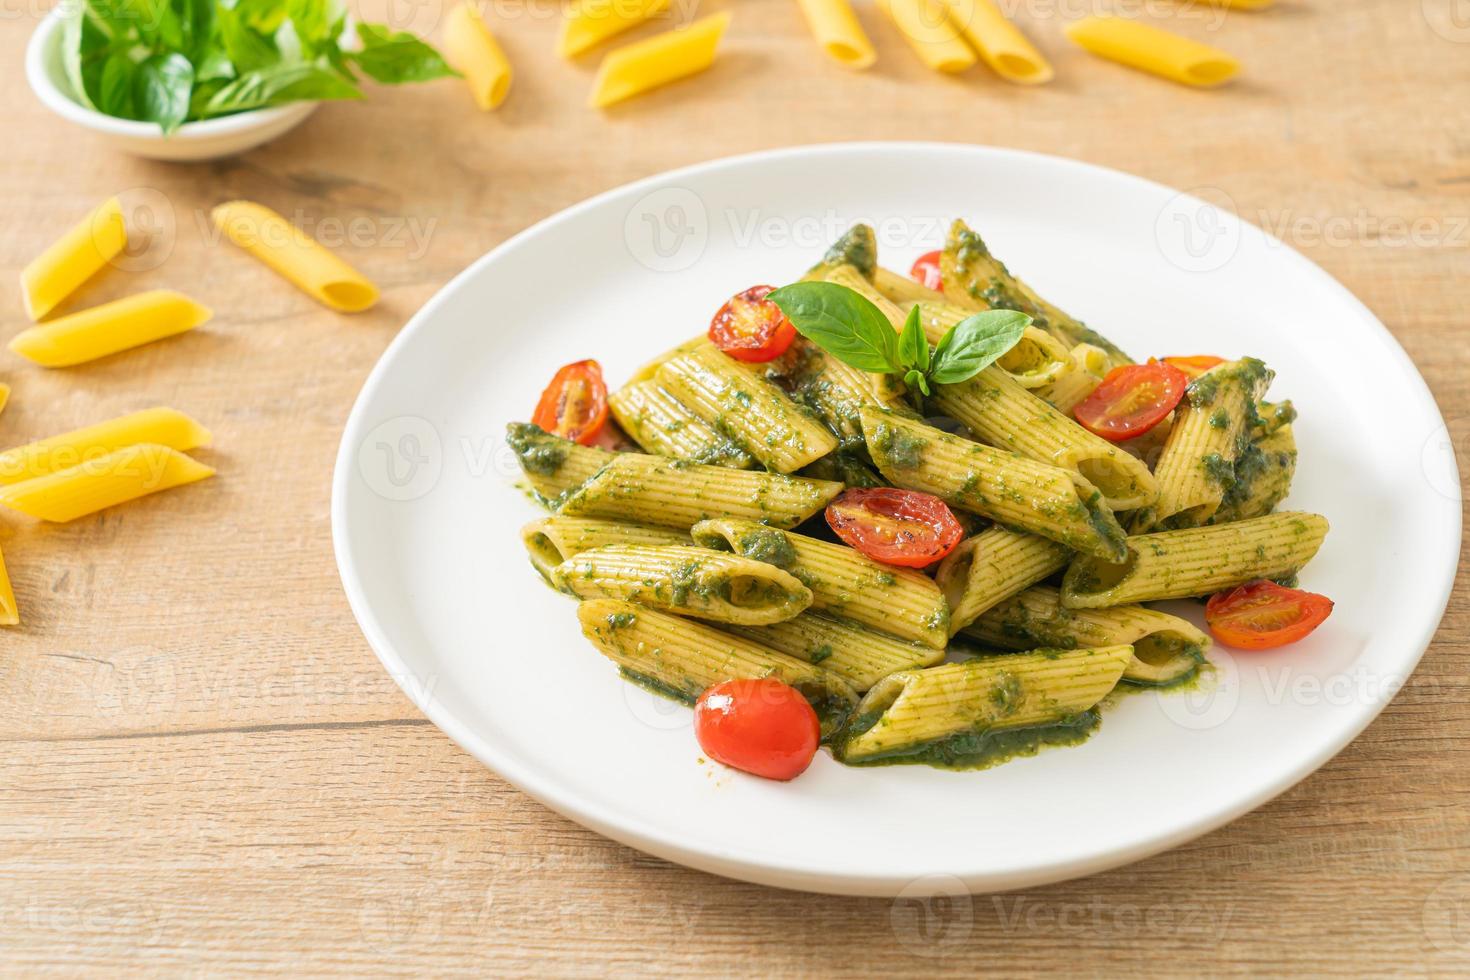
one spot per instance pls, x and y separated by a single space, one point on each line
295 255
838 31
590 22
636 68
4 395
1150 49
9 611
55 274
475 54
110 328
1004 48
1244 4
930 33
160 426
101 483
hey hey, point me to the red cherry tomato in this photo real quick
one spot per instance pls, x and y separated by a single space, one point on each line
1261 614
751 328
574 405
926 270
1131 400
896 527
1193 366
760 726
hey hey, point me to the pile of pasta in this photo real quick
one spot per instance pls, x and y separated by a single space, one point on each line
697 560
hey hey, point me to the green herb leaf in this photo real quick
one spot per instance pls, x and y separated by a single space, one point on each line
277 85
161 88
975 343
913 347
247 50
843 323
916 381
115 89
397 56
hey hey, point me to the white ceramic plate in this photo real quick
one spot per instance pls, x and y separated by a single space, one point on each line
425 515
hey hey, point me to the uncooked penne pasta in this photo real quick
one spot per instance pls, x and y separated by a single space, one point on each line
4 395
644 65
673 493
109 328
681 659
553 465
844 582
107 481
860 656
990 567
1195 561
1004 48
837 30
951 714
9 611
927 28
552 540
1166 649
158 426
753 414
664 426
74 258
295 255
1151 49
587 23
473 51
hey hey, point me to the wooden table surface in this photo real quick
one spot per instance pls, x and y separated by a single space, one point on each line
204 766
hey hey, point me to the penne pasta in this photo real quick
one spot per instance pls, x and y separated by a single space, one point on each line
1018 492
927 28
988 568
1150 49
1195 561
664 426
1004 48
951 714
109 329
681 659
904 291
107 481
844 582
861 657
295 255
1262 478
553 465
837 30
552 540
158 426
4 395
9 611
74 258
473 51
1088 367
588 23
672 493
1037 359
645 65
1166 649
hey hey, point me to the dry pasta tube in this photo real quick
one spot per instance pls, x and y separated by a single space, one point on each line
159 426
475 54
9 611
110 328
927 28
74 258
295 255
636 68
590 22
1004 48
1153 50
838 31
4 395
101 483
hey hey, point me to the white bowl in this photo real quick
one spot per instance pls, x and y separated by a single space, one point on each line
205 140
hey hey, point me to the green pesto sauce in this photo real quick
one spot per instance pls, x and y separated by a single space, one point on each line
768 545
656 686
857 248
821 653
1248 372
895 448
978 749
539 451
1219 470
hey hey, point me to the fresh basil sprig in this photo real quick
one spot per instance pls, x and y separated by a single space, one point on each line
847 325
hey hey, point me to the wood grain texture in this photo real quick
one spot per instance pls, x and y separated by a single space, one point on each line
204 767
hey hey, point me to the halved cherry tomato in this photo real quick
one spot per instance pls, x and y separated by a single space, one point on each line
1261 614
896 527
926 270
574 405
1132 399
1193 366
751 328
760 726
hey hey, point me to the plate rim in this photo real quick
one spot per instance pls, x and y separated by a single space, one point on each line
638 833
